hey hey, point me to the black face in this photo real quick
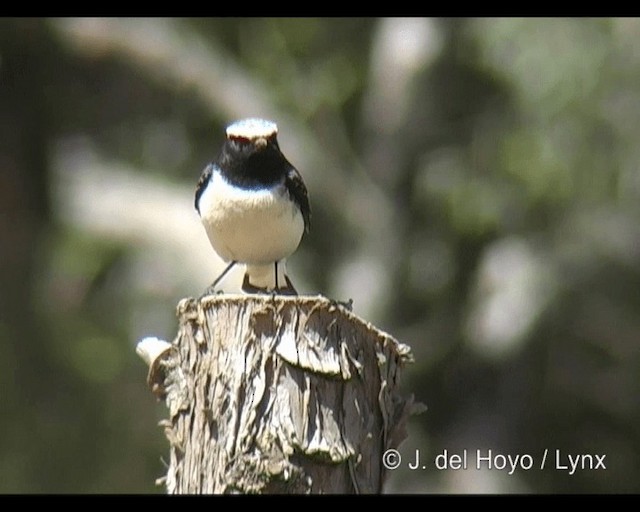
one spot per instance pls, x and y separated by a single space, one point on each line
252 163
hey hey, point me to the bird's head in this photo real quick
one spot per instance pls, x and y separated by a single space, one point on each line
251 154
254 131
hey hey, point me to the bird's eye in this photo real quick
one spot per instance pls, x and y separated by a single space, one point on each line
241 140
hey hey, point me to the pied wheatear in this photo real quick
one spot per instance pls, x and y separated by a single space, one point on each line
254 206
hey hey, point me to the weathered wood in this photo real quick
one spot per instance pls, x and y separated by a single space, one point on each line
274 394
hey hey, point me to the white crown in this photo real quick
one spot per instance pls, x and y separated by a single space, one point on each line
252 128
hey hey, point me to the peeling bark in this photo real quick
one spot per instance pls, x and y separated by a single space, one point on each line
279 395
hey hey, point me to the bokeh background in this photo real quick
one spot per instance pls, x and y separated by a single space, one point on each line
475 190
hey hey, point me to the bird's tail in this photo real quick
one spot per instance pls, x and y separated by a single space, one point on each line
271 277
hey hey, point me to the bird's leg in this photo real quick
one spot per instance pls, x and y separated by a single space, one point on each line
224 273
212 289
290 289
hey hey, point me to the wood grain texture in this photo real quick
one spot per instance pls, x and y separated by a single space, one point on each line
279 395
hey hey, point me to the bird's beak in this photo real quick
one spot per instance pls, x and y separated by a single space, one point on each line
261 143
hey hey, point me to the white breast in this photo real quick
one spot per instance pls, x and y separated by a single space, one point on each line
250 226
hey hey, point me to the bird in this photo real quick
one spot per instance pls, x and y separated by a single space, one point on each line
254 206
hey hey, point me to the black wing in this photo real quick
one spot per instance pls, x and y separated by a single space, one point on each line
204 178
298 192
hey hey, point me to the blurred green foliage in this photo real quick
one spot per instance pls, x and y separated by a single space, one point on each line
474 187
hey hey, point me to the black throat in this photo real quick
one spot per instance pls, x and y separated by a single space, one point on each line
248 165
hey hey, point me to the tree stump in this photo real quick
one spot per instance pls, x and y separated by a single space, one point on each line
278 394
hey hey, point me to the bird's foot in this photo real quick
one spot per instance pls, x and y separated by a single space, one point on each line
211 290
348 304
